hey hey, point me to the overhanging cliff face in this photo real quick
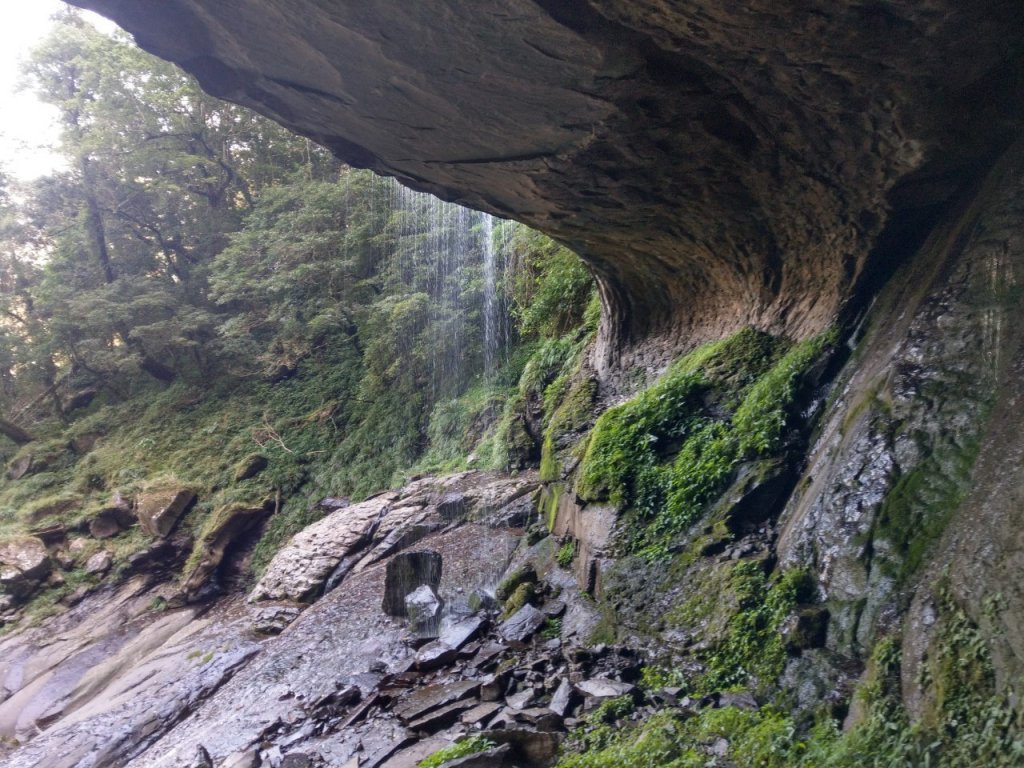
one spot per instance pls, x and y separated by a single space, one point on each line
717 164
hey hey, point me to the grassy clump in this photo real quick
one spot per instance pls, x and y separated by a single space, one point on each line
669 451
468 746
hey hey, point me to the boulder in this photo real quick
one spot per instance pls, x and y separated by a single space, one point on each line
405 573
274 618
117 516
496 757
24 565
160 510
231 525
99 564
601 688
423 607
250 466
18 468
301 569
522 625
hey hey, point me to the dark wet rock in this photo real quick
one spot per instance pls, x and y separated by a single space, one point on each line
535 748
515 514
440 718
435 655
24 565
398 539
296 760
274 618
160 510
496 757
605 689
162 556
492 687
521 700
480 713
406 572
522 625
412 755
231 527
250 466
431 697
99 563
18 468
806 628
562 700
51 535
453 507
541 718
457 634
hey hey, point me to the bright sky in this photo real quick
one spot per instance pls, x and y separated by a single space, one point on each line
27 127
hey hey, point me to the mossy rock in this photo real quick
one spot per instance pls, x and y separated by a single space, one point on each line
250 466
525 574
523 595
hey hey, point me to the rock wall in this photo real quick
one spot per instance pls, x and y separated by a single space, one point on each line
717 165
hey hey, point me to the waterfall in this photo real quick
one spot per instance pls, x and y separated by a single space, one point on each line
436 246
491 318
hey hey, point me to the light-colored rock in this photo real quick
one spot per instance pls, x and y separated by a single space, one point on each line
422 605
24 565
300 570
99 564
600 688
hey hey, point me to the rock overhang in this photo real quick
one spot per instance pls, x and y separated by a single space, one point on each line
716 164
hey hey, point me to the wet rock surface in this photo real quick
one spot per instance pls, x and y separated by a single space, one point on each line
130 682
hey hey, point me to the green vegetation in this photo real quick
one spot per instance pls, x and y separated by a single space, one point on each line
665 454
468 746
566 554
203 288
966 723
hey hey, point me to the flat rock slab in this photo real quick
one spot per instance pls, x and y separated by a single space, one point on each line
426 699
522 625
496 757
600 688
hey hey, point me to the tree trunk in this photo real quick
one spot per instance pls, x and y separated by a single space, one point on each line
14 432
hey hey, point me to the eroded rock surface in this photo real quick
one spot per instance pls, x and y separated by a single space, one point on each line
717 165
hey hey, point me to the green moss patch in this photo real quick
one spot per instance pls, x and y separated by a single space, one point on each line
665 454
